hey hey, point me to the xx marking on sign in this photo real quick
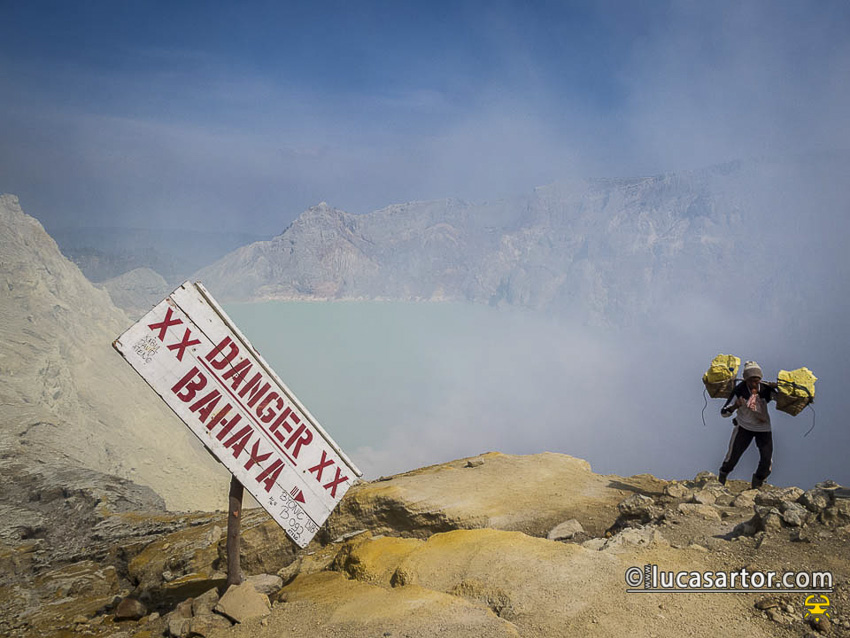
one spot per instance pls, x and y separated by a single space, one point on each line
334 482
185 343
321 465
163 326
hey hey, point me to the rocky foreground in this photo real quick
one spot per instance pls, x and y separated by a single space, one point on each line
494 545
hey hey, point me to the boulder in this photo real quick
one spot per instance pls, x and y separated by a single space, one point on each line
638 507
704 497
630 536
775 497
705 478
205 603
177 626
677 491
794 514
816 500
546 489
130 609
745 499
836 515
565 531
767 519
242 602
267 584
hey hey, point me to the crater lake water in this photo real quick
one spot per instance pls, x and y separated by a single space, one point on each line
403 385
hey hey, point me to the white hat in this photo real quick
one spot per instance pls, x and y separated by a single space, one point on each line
752 369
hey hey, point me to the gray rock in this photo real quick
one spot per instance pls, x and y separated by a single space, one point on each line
817 500
704 497
836 515
643 536
677 491
793 514
565 531
704 478
130 609
769 498
267 584
184 608
177 626
242 602
769 519
745 499
638 507
205 603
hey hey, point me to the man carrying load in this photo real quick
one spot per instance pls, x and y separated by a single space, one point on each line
750 400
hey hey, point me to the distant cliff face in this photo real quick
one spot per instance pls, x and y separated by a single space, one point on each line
65 393
137 291
599 249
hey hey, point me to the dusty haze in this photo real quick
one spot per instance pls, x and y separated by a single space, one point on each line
238 119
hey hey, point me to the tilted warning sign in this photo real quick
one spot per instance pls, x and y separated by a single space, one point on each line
194 357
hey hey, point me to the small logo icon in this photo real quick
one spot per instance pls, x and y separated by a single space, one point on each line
816 606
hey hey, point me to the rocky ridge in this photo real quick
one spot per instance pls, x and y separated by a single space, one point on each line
66 397
607 250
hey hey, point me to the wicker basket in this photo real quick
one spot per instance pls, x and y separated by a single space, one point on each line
719 389
791 405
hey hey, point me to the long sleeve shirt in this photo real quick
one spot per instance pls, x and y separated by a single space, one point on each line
753 420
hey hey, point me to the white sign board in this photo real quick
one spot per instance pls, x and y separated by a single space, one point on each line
191 354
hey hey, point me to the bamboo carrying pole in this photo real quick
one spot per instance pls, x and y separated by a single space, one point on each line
234 517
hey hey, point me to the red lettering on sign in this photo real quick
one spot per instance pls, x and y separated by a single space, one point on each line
334 482
163 326
255 457
281 420
239 440
184 343
255 389
270 413
226 424
220 363
186 388
269 475
302 436
219 416
238 373
206 404
321 465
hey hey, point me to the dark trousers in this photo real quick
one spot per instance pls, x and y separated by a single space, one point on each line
741 439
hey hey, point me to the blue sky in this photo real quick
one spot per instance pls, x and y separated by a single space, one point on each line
240 116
